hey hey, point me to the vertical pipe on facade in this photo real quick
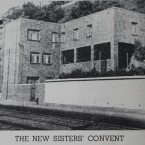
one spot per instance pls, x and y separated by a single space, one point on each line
22 52
3 51
127 58
8 75
99 55
15 59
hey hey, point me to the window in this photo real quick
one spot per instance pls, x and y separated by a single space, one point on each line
54 37
47 58
34 35
35 57
68 56
102 51
84 54
63 37
89 31
135 29
125 52
31 80
76 34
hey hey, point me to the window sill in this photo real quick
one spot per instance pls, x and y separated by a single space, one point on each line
88 36
83 61
75 39
34 63
47 64
54 42
135 35
33 40
67 63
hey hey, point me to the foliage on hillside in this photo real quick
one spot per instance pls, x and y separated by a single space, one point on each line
53 12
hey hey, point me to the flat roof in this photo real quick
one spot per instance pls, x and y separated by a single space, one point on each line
102 11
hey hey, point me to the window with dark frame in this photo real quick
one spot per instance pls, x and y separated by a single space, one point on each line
34 57
135 28
125 52
54 37
46 58
89 31
67 56
76 34
63 37
102 51
34 35
31 80
84 54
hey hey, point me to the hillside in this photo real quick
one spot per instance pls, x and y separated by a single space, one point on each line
57 12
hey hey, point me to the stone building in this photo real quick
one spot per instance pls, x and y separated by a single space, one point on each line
31 51
37 50
103 40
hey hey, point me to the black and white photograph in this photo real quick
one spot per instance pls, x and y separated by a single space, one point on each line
73 66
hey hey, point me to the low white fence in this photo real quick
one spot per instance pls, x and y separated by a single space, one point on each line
122 92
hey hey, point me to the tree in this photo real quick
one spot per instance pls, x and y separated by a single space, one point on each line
139 51
53 12
15 13
81 8
30 10
138 57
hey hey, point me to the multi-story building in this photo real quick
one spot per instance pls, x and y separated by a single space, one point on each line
36 50
31 51
102 40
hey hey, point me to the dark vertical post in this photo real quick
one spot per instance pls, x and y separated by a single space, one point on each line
127 59
8 75
22 55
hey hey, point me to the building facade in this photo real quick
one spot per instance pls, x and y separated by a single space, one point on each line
31 51
103 40
37 50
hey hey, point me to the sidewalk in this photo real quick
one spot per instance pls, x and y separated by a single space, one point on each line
110 114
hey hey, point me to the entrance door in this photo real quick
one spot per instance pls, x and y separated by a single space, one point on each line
33 92
33 81
125 52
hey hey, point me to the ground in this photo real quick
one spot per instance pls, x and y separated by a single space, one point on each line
37 118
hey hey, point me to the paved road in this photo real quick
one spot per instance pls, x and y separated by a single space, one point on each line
22 120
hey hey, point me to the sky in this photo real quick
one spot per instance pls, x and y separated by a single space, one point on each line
6 4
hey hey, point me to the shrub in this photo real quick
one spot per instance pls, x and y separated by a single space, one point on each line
79 73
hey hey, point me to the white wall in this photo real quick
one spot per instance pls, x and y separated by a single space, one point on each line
123 92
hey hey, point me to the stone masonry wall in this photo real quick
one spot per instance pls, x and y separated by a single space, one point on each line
102 32
123 28
16 92
45 45
23 92
40 91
